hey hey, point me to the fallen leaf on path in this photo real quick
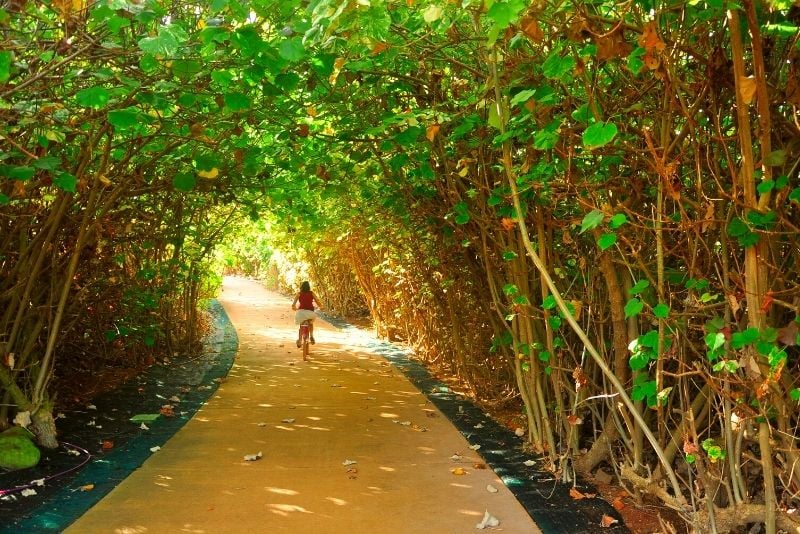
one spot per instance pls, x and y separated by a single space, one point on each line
262 424
607 521
577 495
405 423
529 463
618 504
475 447
349 462
28 492
478 426
488 521
167 410
38 482
144 427
479 466
253 457
519 432
87 487
458 471
456 457
491 489
174 398
155 449
288 420
91 407
108 444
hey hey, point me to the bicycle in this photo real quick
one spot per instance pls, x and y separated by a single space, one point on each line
305 328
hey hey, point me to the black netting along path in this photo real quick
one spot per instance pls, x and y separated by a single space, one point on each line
547 500
63 478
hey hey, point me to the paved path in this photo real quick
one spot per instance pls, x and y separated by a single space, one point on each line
307 419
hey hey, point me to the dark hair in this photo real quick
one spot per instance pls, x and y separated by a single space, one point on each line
305 286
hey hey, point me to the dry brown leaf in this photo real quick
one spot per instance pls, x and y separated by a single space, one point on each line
459 471
431 132
578 495
379 47
618 504
108 444
508 223
689 447
747 88
19 189
788 334
574 420
530 27
479 466
607 521
87 487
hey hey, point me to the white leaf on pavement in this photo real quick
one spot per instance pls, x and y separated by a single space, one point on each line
155 449
348 462
262 424
28 492
475 447
253 457
405 423
491 489
38 482
91 407
488 521
519 432
478 426
529 463
144 427
456 457
174 398
288 420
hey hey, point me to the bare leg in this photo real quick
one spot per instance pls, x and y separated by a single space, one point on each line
311 330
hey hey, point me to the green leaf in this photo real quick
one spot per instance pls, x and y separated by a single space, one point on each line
640 286
649 339
661 311
5 65
166 43
510 255
737 227
92 97
20 173
504 12
635 63
124 118
236 101
186 68
4 199
66 182
557 67
618 220
184 181
639 361
633 308
599 134
591 220
607 240
776 158
292 49
549 302
690 458
795 394
522 97
554 322
765 187
715 341
510 289
747 337
49 163
582 114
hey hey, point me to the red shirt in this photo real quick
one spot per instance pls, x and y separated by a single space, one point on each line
306 299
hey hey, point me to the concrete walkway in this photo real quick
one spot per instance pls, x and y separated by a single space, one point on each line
307 419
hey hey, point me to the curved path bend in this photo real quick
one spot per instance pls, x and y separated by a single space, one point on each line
307 419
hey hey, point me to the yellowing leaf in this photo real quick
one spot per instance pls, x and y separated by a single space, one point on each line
607 521
747 88
432 14
312 111
209 175
459 471
87 487
104 180
201 24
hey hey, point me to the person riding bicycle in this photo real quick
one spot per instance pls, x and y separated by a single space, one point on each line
305 312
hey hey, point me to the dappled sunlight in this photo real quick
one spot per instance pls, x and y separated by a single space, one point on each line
388 415
192 529
387 469
286 509
282 491
139 529
464 486
473 513
338 502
